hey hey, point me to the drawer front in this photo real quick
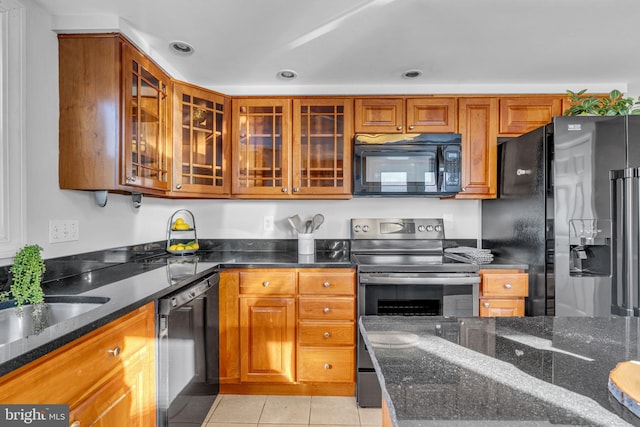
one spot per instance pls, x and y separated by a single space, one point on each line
310 308
505 285
79 367
326 333
268 282
327 365
498 307
327 283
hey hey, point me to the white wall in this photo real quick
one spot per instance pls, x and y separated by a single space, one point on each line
120 224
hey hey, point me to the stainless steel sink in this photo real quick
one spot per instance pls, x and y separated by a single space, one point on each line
29 320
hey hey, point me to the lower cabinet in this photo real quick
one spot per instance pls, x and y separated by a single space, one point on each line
106 377
288 331
502 292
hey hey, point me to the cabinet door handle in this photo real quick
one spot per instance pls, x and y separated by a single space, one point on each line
327 366
326 310
115 352
486 305
265 284
75 424
326 335
285 189
326 284
296 189
399 127
131 179
179 186
507 285
410 127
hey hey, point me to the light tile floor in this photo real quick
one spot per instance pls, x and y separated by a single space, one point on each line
231 410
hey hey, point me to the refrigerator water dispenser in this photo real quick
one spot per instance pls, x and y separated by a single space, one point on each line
589 247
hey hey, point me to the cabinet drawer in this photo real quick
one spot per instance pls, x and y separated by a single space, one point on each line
327 283
326 308
505 285
326 365
498 307
268 282
326 333
82 364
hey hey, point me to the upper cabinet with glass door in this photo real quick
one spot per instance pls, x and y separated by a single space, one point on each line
201 150
146 145
322 140
114 117
261 145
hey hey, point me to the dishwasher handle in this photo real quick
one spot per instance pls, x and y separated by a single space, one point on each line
187 294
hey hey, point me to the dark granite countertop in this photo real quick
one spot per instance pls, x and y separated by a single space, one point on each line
133 276
529 371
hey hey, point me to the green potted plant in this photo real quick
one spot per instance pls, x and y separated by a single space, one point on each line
613 104
26 274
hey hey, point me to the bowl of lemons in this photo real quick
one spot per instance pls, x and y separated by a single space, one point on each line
181 233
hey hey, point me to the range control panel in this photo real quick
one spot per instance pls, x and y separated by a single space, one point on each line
397 228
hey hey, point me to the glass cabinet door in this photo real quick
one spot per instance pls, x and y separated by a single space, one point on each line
146 145
261 138
322 143
200 142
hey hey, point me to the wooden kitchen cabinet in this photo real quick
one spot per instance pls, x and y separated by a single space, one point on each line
114 117
261 147
521 114
478 122
201 149
107 377
502 292
321 147
285 148
287 331
412 115
326 327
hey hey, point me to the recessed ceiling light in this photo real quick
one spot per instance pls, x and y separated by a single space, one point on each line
182 48
287 74
411 74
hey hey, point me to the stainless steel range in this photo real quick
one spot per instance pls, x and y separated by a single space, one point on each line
402 271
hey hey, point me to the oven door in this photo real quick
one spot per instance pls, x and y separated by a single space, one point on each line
408 294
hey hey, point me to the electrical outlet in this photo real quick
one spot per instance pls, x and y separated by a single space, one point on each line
268 223
63 230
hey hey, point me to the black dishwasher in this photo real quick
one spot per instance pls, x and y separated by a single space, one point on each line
188 353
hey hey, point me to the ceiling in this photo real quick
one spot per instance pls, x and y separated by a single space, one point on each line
364 46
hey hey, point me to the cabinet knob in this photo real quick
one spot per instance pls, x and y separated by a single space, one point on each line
265 284
285 189
507 285
179 186
115 352
327 366
131 179
326 335
399 127
326 310
75 424
296 189
486 305
410 127
326 284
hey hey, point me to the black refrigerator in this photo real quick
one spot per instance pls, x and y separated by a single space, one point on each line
561 209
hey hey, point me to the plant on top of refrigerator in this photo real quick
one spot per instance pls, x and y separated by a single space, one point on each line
613 104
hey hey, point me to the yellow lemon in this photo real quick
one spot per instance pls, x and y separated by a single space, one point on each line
195 246
179 221
173 247
182 226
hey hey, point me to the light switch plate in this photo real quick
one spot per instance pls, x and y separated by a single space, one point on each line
63 230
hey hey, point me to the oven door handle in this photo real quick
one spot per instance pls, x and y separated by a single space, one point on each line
464 280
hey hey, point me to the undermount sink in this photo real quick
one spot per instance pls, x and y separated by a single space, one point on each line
20 323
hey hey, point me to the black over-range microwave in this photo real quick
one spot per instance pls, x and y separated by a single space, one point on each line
427 164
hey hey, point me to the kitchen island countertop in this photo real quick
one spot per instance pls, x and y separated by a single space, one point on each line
529 371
